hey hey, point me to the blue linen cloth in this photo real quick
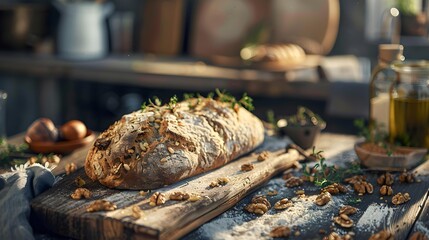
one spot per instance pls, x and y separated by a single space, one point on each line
17 188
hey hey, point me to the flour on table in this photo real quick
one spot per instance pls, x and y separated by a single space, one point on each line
236 225
376 214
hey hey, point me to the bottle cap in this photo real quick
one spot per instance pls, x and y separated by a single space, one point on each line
390 52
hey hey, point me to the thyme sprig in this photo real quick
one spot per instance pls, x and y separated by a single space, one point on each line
325 175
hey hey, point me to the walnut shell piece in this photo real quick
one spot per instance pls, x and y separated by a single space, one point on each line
280 232
386 190
344 221
347 210
293 182
283 204
323 198
157 199
101 205
80 193
179 196
382 235
401 198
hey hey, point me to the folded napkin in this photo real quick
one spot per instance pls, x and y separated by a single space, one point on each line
17 188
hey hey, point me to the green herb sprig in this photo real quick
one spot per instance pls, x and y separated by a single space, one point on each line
325 175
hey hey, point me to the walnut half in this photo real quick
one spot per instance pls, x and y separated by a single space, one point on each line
401 198
157 199
323 198
335 188
80 193
344 221
386 190
259 205
179 196
348 210
385 179
293 182
283 204
101 205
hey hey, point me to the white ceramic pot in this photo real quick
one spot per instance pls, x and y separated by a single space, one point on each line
82 30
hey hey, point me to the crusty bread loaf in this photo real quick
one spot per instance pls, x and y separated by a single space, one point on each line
162 145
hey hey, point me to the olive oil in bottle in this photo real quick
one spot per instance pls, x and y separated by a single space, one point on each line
410 122
409 104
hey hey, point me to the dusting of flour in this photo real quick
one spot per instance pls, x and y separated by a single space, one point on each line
376 214
233 224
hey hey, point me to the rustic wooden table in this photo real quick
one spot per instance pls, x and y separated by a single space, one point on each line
305 218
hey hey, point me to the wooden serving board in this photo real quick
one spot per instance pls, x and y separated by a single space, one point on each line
57 212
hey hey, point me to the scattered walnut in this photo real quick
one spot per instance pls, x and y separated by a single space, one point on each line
157 199
136 212
335 188
222 181
400 198
264 155
259 205
419 236
280 232
70 167
362 187
179 196
386 190
382 235
348 210
101 205
323 198
354 179
247 167
79 181
257 208
407 177
385 179
283 204
80 193
272 193
287 175
344 221
194 197
293 182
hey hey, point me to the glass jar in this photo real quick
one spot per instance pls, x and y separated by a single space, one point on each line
382 78
409 104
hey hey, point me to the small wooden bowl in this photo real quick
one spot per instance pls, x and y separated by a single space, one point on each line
61 146
406 158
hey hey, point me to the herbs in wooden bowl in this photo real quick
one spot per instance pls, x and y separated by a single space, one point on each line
376 152
303 128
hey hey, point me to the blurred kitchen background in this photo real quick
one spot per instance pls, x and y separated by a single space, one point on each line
96 60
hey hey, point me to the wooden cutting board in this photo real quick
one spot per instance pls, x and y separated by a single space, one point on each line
57 212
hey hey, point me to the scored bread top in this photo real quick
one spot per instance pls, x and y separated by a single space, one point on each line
162 145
